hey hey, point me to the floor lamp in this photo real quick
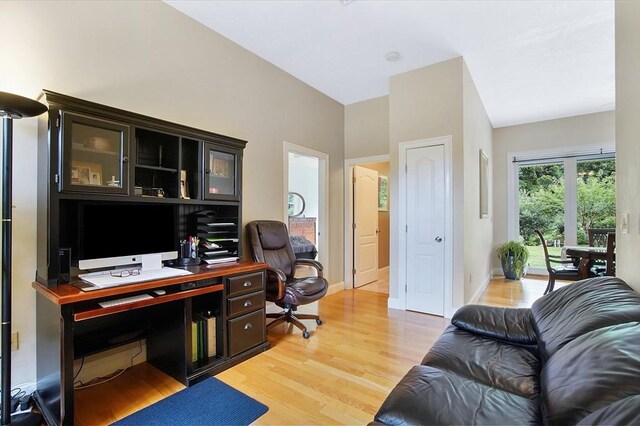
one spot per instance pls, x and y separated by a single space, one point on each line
12 107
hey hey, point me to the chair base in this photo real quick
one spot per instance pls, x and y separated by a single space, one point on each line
288 316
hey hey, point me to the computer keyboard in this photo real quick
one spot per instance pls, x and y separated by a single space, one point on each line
124 300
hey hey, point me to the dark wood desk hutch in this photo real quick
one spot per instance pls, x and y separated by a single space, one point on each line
101 167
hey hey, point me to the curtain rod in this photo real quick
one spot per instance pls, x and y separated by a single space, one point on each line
601 153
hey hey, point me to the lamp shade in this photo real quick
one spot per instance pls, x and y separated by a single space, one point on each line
15 106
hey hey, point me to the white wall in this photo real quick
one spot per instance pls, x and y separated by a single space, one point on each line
148 58
427 103
366 128
590 129
628 138
478 232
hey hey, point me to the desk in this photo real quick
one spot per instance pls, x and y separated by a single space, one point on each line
587 255
71 325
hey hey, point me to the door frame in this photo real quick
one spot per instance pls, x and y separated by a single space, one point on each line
348 211
403 147
323 196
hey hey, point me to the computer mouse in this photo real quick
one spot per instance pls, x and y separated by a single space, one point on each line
159 292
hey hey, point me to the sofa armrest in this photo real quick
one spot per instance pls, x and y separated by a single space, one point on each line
508 324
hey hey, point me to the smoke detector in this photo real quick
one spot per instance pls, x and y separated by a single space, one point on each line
392 56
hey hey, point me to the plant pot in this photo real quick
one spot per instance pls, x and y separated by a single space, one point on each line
509 268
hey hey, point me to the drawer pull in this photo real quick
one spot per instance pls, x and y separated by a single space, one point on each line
248 326
247 303
247 284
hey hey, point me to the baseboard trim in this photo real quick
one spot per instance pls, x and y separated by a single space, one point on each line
395 303
335 287
497 272
478 293
386 268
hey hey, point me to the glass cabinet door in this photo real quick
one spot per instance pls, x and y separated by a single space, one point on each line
220 173
94 155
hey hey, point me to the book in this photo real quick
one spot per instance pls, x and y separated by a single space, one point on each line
211 336
194 341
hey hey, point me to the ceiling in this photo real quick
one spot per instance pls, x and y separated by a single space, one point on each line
530 60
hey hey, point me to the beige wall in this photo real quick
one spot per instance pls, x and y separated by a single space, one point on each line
478 237
427 103
148 58
628 138
589 129
383 218
366 128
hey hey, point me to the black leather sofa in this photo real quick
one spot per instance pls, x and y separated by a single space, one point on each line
573 358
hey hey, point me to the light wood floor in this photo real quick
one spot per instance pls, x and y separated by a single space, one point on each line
341 375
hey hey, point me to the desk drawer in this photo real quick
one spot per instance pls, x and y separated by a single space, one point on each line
245 303
246 332
242 284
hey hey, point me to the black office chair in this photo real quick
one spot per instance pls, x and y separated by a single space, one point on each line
269 243
557 268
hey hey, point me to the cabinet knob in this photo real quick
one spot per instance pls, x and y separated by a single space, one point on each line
125 159
248 326
247 303
247 284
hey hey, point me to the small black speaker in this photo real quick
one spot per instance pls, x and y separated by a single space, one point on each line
65 264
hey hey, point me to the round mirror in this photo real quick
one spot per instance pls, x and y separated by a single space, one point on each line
296 204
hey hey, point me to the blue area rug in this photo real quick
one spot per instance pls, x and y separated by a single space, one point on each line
209 402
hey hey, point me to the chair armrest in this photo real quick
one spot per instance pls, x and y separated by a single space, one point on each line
280 278
507 324
309 262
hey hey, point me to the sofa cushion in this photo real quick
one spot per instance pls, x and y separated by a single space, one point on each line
590 372
579 308
508 324
429 396
623 412
505 366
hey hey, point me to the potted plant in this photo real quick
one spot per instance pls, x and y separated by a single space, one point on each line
514 257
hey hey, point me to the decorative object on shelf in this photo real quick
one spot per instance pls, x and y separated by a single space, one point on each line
86 173
184 187
383 193
484 185
12 107
514 257
296 204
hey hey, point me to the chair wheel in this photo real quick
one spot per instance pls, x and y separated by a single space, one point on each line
319 321
305 334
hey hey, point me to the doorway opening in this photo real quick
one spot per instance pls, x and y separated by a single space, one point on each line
367 230
306 207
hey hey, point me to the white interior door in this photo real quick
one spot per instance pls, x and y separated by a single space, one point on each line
425 229
365 233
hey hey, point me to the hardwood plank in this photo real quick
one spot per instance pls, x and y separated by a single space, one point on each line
341 375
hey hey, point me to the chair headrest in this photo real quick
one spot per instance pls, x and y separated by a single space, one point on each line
273 235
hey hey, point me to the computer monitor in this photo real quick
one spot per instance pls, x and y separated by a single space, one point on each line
118 234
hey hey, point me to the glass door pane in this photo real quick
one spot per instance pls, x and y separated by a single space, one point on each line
94 157
221 173
541 202
596 200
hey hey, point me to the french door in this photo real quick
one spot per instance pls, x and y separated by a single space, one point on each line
563 197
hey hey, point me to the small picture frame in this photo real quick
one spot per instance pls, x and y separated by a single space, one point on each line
95 178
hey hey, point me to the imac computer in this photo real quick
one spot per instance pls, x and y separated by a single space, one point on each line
121 234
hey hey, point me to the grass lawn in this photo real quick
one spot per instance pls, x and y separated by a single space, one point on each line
536 255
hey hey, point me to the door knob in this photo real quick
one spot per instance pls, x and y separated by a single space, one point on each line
438 239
